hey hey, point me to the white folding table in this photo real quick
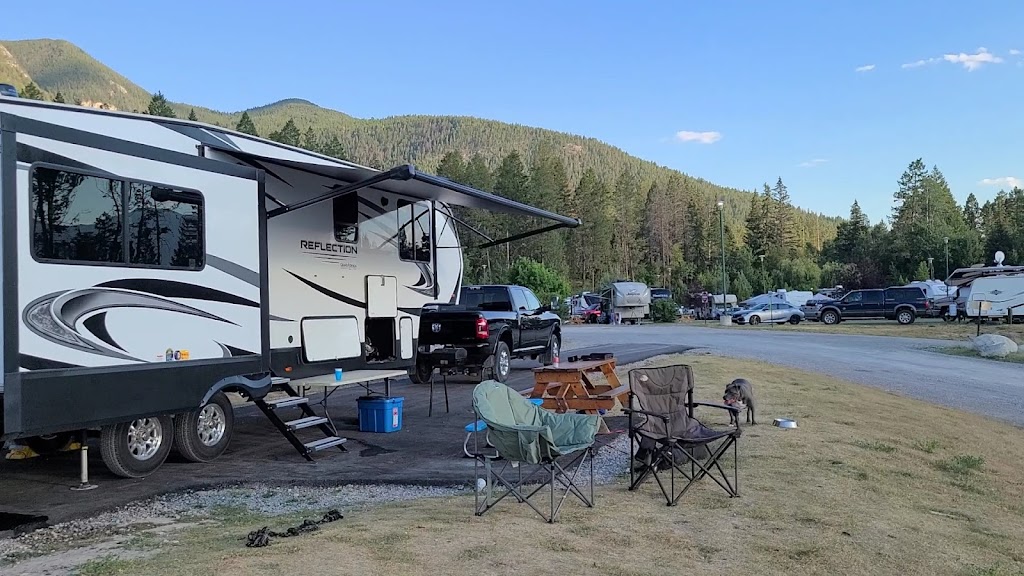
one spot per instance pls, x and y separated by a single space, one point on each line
349 378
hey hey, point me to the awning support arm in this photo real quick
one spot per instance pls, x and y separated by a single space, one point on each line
400 173
471 228
521 236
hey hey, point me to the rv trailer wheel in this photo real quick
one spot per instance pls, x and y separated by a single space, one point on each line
203 434
137 448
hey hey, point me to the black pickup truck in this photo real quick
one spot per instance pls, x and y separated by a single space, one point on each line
482 333
903 304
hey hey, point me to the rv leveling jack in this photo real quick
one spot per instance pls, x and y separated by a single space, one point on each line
83 482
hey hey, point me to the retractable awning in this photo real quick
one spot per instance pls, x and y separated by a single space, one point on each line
408 181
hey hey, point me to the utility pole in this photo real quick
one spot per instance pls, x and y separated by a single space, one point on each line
725 285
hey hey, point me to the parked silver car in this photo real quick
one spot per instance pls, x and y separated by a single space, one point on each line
774 312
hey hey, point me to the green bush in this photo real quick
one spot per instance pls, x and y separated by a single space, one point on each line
664 311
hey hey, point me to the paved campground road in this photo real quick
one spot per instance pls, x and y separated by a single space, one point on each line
901 365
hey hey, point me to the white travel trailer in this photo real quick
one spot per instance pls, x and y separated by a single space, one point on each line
630 302
152 264
1004 294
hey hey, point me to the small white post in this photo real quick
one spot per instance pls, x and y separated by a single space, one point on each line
83 480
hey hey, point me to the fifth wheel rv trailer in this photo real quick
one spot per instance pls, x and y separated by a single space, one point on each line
629 302
152 264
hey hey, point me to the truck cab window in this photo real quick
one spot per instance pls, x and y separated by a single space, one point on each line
518 299
414 239
532 303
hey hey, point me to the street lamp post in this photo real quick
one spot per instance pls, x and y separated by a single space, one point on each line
931 270
725 319
946 240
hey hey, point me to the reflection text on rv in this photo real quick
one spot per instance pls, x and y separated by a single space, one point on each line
327 247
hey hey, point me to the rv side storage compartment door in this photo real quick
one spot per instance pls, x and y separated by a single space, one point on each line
405 336
381 297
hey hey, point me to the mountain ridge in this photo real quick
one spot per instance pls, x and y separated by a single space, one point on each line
61 66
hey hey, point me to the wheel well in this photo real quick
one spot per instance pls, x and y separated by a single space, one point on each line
901 307
506 337
830 309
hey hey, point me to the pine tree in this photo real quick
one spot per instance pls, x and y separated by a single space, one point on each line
786 235
972 213
32 92
590 244
192 115
911 186
452 167
158 106
59 98
288 134
548 183
310 140
511 181
478 175
246 126
334 149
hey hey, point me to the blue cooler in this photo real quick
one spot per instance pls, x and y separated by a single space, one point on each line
380 414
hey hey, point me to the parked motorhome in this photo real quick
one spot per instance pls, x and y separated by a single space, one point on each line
152 264
627 302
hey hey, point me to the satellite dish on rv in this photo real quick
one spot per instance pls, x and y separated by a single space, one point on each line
999 257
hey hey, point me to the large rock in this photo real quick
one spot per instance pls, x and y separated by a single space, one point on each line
994 345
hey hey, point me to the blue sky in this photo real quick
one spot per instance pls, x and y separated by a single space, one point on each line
771 88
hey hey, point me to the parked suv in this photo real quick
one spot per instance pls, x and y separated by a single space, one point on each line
900 303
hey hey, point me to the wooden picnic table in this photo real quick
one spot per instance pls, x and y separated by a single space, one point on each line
569 386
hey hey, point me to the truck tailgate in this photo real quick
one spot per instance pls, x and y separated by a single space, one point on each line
448 327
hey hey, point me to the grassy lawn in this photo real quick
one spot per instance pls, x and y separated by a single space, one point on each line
871 483
935 329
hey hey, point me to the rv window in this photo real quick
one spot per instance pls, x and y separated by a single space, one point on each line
76 217
165 226
346 218
414 241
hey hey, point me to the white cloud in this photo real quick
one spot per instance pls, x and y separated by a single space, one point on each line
969 61
702 137
919 63
812 163
1007 181
865 68
1014 52
973 61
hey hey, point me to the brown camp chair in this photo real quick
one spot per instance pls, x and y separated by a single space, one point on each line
667 436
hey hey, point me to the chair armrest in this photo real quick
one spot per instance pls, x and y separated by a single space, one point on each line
664 417
715 405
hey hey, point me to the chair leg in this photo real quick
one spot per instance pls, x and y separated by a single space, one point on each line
444 379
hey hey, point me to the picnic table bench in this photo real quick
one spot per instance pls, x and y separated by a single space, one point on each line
569 386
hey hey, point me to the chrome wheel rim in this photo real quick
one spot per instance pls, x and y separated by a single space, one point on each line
905 317
211 425
554 348
145 436
503 363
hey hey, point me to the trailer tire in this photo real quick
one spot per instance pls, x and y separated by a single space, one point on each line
49 444
142 453
204 433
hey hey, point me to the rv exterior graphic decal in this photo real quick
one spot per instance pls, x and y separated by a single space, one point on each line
77 318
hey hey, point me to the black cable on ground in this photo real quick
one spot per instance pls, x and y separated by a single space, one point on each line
261 537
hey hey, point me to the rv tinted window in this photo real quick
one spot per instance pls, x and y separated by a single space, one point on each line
346 218
165 226
414 242
76 217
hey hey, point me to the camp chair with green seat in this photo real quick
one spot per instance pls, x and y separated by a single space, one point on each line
666 435
523 433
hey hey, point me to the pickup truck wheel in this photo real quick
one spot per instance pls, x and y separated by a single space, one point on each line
422 372
830 317
904 316
502 362
554 349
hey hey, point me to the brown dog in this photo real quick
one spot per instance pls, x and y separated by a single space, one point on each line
740 393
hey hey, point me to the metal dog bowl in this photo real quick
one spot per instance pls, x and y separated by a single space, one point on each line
784 423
